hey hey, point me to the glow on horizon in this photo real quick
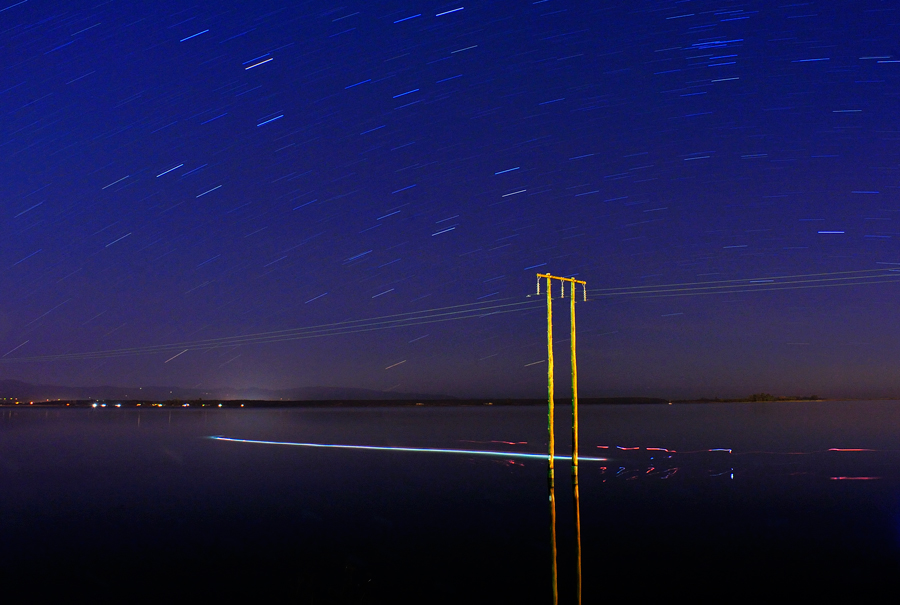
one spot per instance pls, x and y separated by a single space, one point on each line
407 449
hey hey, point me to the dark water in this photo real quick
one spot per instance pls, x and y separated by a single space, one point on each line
128 505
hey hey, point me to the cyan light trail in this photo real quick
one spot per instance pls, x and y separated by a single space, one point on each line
427 450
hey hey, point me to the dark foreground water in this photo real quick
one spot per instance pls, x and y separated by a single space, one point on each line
128 505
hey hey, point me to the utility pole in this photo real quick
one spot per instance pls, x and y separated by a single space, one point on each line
550 380
550 427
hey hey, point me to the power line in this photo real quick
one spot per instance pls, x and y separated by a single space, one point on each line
427 316
496 307
763 284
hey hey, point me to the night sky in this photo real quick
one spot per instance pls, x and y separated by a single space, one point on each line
263 173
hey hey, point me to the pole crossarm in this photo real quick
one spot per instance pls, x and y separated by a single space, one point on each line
571 279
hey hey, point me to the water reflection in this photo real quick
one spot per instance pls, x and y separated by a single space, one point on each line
554 571
642 464
656 463
577 538
554 564
112 498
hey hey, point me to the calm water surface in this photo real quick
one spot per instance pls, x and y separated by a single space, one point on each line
712 501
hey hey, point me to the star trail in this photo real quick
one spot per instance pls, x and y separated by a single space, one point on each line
221 183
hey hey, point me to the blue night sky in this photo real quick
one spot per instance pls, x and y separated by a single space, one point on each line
190 192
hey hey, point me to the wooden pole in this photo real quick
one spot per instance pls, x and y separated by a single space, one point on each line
575 450
574 385
552 449
551 441
551 446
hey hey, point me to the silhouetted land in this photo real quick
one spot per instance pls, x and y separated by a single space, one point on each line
756 397
12 391
328 403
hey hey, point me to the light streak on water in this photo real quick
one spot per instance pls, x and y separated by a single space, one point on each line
496 454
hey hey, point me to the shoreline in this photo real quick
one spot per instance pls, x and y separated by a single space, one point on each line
391 403
324 403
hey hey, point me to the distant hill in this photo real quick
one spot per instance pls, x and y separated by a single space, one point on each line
40 392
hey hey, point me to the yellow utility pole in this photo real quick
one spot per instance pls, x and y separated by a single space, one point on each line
550 428
574 384
550 397
575 447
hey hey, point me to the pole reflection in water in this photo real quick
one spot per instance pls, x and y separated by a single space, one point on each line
577 539
554 573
